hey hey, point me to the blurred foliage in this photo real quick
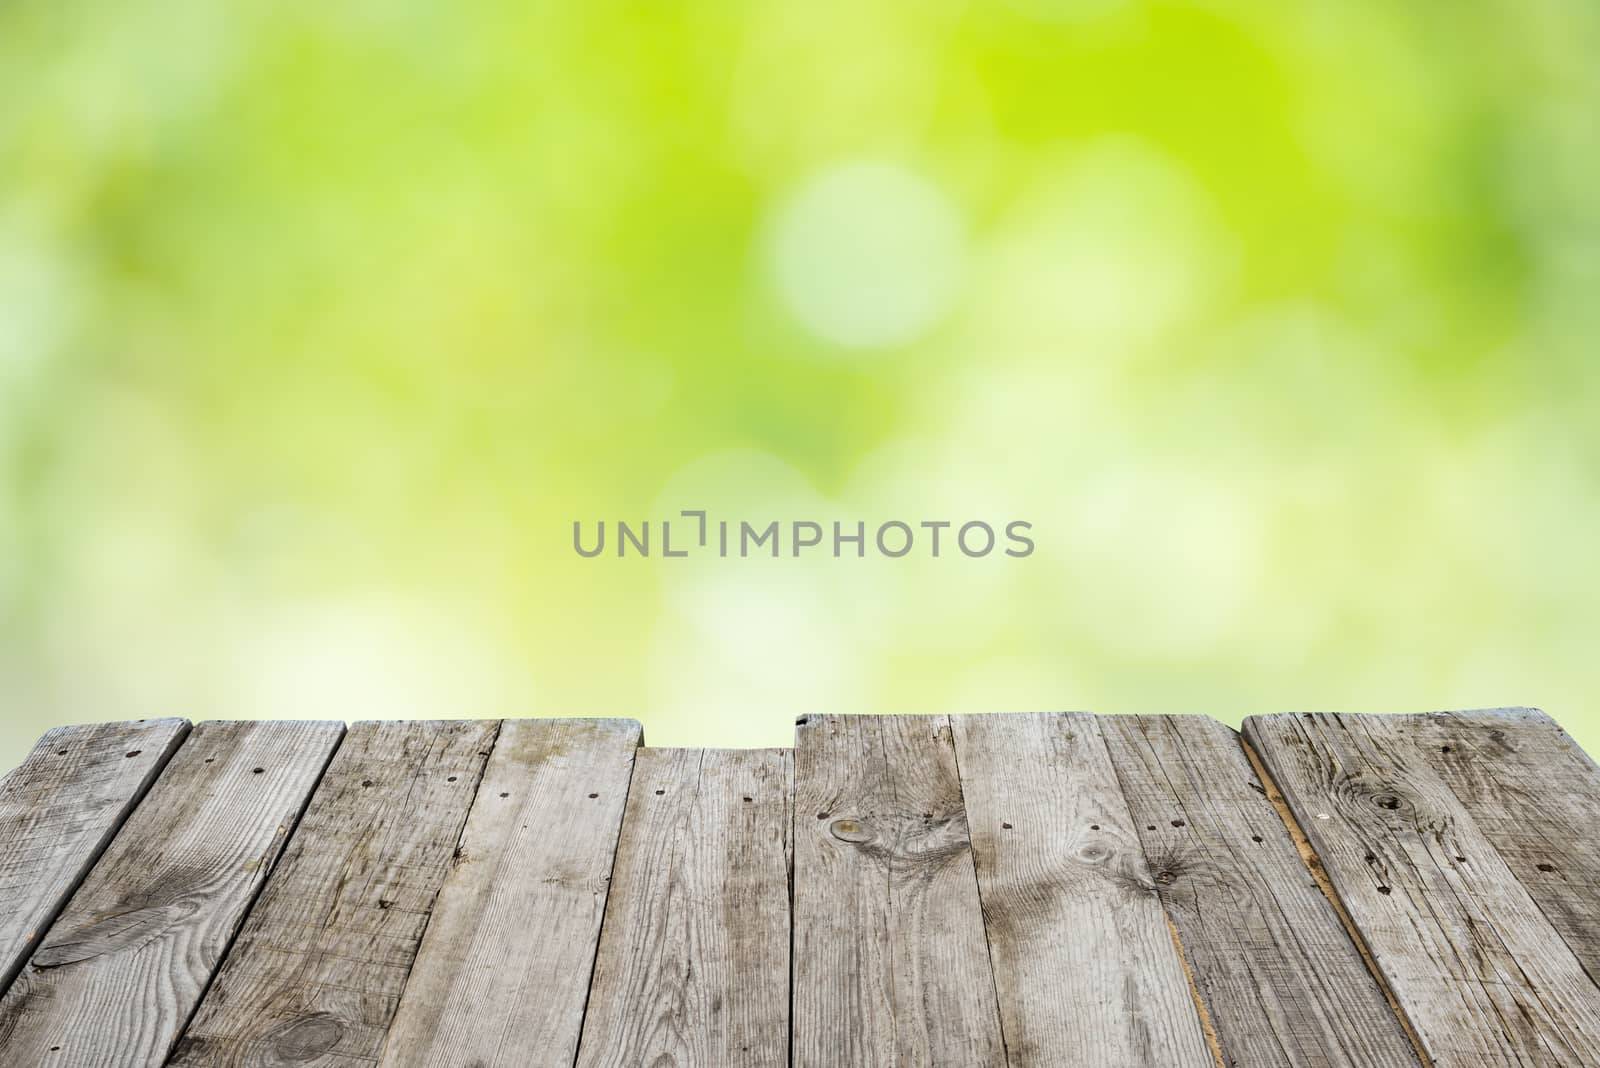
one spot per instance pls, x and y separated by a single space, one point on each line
321 324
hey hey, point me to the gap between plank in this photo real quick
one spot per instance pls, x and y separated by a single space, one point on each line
265 877
1208 1028
455 852
1319 875
977 887
616 847
48 920
788 855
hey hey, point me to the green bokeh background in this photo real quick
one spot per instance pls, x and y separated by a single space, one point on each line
320 324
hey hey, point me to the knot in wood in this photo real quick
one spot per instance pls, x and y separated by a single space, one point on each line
1094 853
303 1039
1394 802
924 840
123 931
853 831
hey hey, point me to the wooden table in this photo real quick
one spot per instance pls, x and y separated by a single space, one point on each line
1056 890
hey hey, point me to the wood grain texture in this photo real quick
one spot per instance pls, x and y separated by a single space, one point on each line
1536 796
316 972
890 963
118 975
505 964
1478 969
693 966
58 810
1083 958
1282 981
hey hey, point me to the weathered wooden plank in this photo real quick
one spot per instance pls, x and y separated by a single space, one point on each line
693 966
316 972
504 966
58 810
119 973
1084 961
1281 980
890 963
1536 796
1480 972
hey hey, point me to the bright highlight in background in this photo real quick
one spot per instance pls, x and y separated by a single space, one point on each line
868 255
321 325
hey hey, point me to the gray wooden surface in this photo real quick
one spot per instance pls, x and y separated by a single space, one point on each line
315 976
1536 797
1084 962
1282 982
891 966
58 809
503 972
1006 891
1481 973
693 967
119 973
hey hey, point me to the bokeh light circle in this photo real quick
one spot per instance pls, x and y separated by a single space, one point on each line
868 255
